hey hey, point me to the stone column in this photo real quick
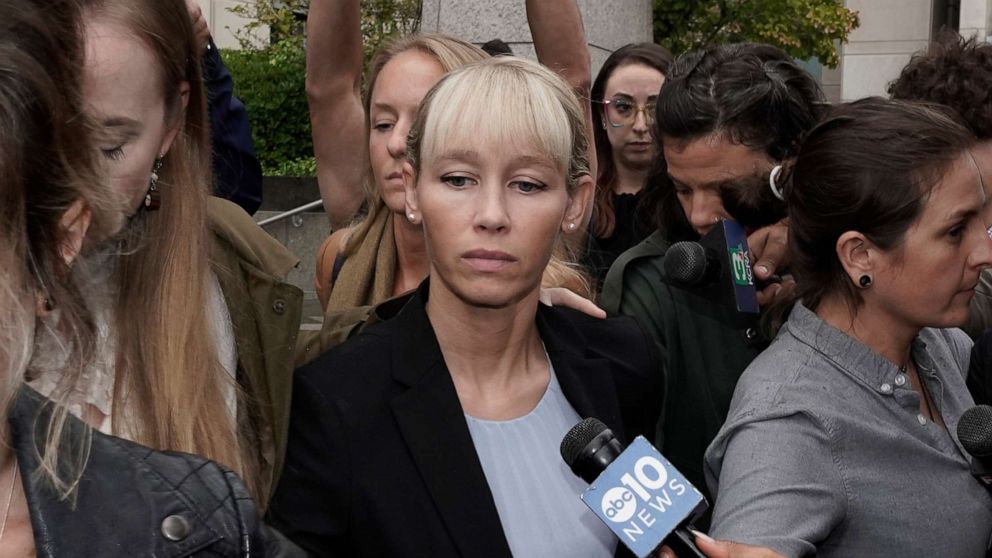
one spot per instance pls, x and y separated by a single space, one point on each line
890 32
975 16
609 24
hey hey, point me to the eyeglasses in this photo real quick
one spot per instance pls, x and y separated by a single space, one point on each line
622 112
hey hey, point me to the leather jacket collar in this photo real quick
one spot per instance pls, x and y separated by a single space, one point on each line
130 500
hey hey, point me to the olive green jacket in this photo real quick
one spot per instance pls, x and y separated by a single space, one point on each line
251 267
704 348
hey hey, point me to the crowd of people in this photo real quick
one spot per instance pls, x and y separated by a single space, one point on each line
496 273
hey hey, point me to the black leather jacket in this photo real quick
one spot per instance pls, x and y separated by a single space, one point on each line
134 501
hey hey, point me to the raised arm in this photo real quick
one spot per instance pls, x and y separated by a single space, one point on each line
334 77
560 42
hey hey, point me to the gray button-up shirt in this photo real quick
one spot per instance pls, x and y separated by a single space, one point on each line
825 451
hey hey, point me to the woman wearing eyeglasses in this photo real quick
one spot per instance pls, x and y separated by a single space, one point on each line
623 98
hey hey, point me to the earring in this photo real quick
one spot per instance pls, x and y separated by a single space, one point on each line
571 226
153 200
864 281
411 216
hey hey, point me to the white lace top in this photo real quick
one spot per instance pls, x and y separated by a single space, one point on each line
95 390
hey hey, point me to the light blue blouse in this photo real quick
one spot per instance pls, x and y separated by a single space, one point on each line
536 494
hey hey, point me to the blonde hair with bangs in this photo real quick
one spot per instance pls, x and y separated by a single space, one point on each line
512 99
503 101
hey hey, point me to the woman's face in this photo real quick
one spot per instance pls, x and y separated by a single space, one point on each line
491 219
18 322
982 153
124 95
700 167
929 279
629 88
399 88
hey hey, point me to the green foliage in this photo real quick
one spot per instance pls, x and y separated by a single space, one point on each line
386 19
271 83
305 166
278 19
270 73
803 28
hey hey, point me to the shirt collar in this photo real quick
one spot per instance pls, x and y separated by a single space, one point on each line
853 357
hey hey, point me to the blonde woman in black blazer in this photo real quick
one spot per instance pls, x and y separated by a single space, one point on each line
381 460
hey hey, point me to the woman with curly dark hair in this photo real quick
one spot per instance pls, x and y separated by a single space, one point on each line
953 71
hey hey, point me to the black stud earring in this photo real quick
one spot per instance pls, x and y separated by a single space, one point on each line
864 281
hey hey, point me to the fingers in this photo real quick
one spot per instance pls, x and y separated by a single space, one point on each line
557 296
666 552
201 31
775 292
769 248
195 13
727 549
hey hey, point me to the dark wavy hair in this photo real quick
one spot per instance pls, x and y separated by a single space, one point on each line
755 95
868 167
952 71
648 54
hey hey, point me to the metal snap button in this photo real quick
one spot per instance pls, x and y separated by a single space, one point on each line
175 527
885 388
750 333
922 419
900 380
279 306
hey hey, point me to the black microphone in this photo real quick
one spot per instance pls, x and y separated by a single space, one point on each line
690 264
975 434
718 267
641 497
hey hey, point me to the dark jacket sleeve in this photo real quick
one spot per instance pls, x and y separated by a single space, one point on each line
980 370
237 172
311 504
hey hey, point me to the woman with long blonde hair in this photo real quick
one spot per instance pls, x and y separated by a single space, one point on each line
196 326
67 490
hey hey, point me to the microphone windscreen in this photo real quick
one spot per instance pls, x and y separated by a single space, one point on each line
579 437
975 431
685 263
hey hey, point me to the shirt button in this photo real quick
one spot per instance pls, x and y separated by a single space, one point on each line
900 380
175 527
885 388
922 419
279 306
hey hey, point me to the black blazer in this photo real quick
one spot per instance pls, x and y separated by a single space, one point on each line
380 461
